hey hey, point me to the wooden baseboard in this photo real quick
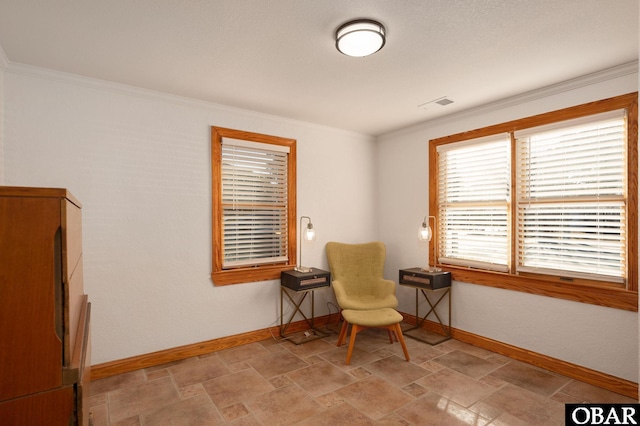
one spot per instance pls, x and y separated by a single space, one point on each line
583 374
126 365
596 378
606 381
112 368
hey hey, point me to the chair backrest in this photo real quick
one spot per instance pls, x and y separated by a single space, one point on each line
355 263
357 273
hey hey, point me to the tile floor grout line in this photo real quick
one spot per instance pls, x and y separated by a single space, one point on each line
376 360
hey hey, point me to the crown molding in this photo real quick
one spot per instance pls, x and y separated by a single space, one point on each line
612 73
93 83
157 96
109 86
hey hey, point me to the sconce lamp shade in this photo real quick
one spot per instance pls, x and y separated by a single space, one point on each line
425 233
310 233
362 37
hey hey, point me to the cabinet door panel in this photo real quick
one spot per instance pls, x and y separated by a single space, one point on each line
31 350
54 408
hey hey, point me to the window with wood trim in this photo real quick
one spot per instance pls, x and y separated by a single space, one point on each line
253 212
546 204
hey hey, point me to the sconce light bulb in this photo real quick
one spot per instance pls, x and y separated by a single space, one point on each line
425 232
310 233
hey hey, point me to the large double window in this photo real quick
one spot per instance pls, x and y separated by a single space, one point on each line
546 204
253 206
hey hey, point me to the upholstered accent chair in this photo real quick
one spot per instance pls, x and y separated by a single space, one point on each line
357 276
364 296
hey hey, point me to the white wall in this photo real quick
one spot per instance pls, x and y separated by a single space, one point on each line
140 164
3 64
599 338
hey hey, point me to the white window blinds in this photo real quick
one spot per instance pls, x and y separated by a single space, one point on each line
571 198
473 201
254 203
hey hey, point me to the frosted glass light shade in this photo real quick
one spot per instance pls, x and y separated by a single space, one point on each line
310 233
425 233
362 37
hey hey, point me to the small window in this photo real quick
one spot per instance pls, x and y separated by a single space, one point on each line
253 206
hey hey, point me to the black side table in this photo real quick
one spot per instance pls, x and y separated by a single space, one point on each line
296 285
434 282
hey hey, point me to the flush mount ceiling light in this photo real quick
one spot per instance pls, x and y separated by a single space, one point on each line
361 37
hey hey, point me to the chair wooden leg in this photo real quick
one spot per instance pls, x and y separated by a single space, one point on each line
390 332
354 330
402 342
342 337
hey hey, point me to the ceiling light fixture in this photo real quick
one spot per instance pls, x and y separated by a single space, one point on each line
361 37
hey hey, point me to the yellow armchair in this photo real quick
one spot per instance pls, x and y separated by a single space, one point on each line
365 297
357 276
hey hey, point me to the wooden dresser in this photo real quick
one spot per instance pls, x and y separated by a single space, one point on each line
44 313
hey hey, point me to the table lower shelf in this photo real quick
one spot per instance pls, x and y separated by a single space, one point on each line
425 336
305 336
300 337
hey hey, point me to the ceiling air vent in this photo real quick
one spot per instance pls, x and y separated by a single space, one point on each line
442 101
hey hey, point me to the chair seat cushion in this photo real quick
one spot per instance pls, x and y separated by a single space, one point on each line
367 302
372 318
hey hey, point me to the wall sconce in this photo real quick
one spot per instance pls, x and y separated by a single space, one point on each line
309 235
424 234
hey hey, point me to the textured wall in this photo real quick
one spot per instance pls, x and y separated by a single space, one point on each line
599 338
140 164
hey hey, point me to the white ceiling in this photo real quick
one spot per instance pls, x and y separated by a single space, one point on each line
278 56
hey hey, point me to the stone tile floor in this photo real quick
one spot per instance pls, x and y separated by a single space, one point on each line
275 382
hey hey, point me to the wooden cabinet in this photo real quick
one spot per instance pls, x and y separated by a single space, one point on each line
44 313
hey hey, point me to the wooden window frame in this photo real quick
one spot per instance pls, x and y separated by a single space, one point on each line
219 275
579 290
